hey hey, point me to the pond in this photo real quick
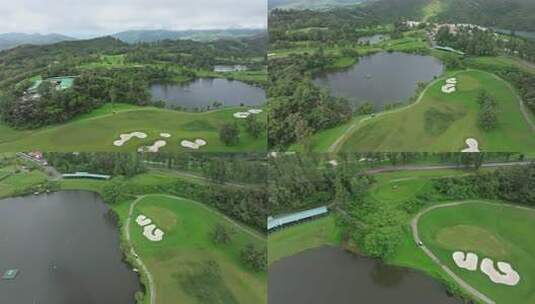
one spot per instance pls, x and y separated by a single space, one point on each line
202 92
66 248
332 275
372 39
382 78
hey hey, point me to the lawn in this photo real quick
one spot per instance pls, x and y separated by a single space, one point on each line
497 231
442 122
178 263
97 130
294 239
11 182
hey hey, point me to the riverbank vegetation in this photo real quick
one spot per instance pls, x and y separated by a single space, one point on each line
370 212
305 42
108 73
186 195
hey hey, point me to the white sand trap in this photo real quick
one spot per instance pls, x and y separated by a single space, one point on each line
473 145
255 111
448 88
152 233
241 114
193 144
452 80
142 220
506 274
333 162
466 261
155 146
126 137
165 135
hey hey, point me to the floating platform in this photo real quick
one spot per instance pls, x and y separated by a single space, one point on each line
11 274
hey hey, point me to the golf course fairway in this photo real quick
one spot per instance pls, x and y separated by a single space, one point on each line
98 130
490 230
442 122
180 261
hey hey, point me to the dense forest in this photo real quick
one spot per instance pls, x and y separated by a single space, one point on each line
95 84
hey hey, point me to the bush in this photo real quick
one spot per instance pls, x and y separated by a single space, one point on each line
229 134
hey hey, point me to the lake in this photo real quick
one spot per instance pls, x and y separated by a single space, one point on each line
332 275
66 247
382 78
202 92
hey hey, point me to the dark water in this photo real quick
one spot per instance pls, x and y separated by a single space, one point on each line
372 39
382 78
69 229
204 91
331 275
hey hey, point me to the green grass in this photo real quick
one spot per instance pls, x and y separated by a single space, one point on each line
187 247
500 232
433 8
17 182
97 130
294 239
442 122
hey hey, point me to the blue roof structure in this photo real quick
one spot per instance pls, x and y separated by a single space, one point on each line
279 221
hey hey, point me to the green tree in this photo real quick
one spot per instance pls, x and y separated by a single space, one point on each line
229 134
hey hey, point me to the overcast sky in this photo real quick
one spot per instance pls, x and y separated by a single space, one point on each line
86 18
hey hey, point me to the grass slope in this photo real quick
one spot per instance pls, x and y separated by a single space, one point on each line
442 122
500 232
187 246
97 130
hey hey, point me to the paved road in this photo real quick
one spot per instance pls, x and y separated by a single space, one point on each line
438 167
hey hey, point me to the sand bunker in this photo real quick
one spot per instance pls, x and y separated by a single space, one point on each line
450 86
506 274
193 144
246 114
473 145
452 80
154 148
142 220
165 135
468 261
241 114
333 162
152 233
126 137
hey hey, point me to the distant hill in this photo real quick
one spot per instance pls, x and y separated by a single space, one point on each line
310 4
505 14
198 35
11 40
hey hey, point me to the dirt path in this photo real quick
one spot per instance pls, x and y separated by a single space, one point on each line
438 167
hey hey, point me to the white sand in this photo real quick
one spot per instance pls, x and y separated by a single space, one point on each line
193 144
126 137
452 80
466 261
155 146
507 275
142 220
152 233
473 145
241 114
448 88
255 111
165 135
333 162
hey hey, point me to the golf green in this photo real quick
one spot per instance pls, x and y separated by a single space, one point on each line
442 122
98 130
497 231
